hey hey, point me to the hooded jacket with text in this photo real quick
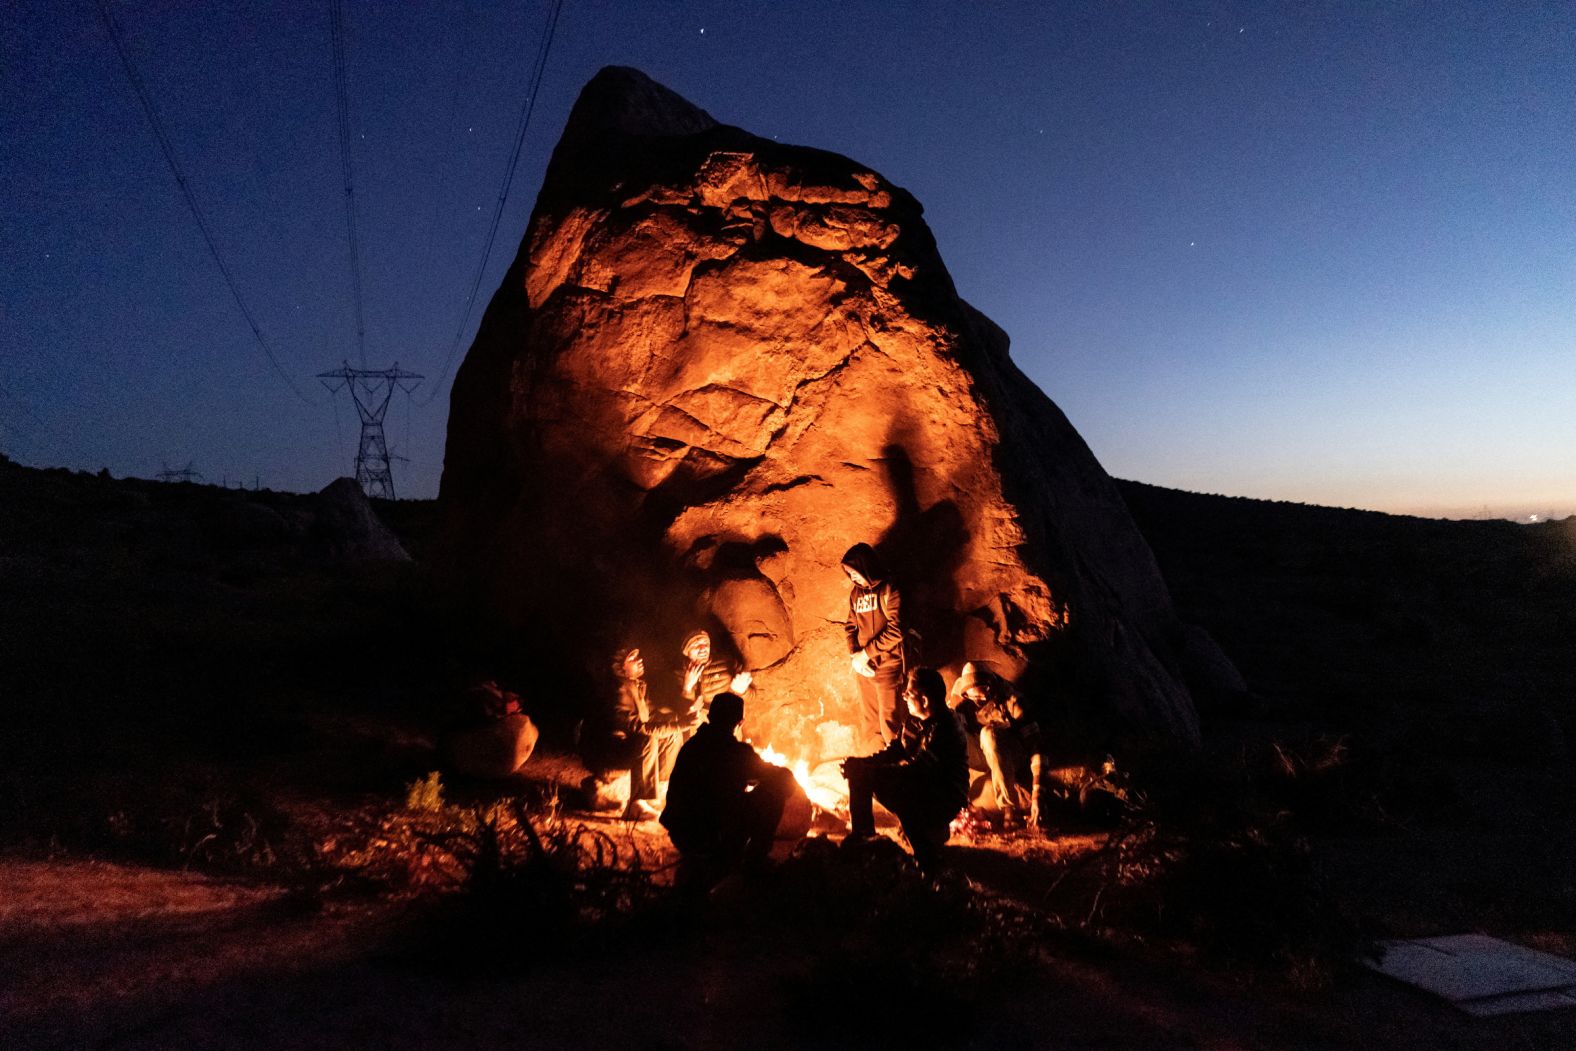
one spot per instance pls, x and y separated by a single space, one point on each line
875 623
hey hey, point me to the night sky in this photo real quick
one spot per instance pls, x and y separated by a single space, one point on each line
1311 252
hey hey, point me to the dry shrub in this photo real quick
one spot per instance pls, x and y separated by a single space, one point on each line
224 831
1325 784
227 834
1222 870
1247 898
894 956
520 881
1316 783
1254 898
425 794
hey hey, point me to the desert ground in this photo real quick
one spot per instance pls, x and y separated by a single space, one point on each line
214 830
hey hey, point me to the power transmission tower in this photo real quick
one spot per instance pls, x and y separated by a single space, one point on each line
183 474
371 390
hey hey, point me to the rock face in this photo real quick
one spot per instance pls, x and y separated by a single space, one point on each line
719 361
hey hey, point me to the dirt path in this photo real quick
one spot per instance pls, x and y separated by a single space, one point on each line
101 955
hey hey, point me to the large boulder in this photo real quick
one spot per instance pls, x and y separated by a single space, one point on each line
716 363
347 529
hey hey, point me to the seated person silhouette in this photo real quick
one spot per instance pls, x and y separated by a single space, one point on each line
724 801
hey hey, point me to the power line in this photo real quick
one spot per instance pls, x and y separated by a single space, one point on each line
186 191
503 194
342 100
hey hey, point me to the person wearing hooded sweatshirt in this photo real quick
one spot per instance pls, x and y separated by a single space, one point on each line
875 645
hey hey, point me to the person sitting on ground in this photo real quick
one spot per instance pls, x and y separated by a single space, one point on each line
1008 732
649 742
706 675
724 800
922 776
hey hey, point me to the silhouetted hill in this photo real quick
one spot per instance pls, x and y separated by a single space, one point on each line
1457 630
1456 635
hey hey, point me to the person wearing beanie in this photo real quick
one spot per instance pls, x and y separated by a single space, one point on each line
724 801
875 645
1008 733
922 776
705 675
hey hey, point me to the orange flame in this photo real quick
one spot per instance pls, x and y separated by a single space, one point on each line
824 795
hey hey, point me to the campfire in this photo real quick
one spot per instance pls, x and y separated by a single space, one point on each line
824 785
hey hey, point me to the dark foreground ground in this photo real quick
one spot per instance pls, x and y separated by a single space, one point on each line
210 727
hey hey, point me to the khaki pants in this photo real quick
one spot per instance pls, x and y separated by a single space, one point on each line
879 721
1004 755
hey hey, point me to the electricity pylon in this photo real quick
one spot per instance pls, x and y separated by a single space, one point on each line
181 474
371 390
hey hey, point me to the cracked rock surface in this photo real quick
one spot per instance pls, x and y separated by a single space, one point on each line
719 361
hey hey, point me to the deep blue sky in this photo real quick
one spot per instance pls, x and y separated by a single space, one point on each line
1316 252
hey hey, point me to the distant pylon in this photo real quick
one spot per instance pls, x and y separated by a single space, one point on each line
184 474
371 390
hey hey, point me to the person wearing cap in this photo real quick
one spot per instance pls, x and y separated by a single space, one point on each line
724 801
651 743
1008 731
706 675
875 645
922 776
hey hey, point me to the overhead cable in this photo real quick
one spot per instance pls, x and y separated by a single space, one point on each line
503 193
186 191
342 104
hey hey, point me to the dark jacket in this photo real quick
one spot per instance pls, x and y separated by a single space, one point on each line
631 708
707 787
936 748
715 678
875 620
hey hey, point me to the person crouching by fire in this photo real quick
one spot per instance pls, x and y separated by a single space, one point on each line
922 776
875 645
1009 733
707 675
650 742
724 801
